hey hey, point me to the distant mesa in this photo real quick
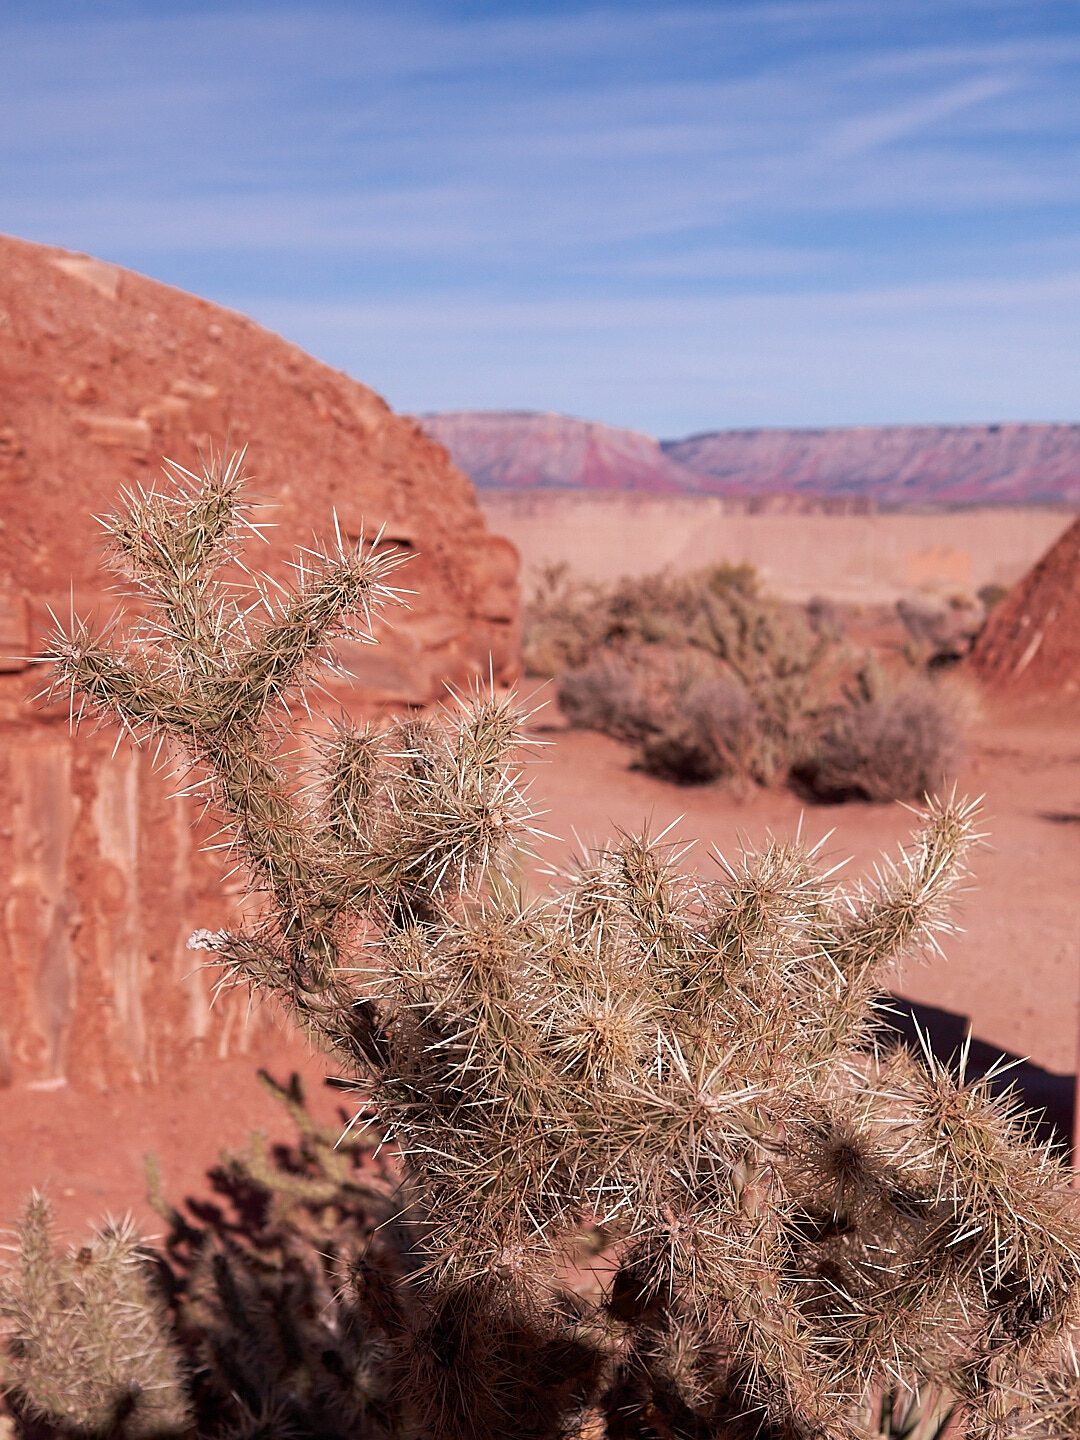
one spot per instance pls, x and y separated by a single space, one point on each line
889 467
523 450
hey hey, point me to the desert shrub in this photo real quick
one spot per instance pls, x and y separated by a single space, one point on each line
673 608
658 1180
562 623
826 618
941 631
686 726
609 696
710 678
895 747
568 622
682 753
991 595
784 667
715 732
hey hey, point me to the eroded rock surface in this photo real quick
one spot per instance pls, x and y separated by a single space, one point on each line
102 374
1030 644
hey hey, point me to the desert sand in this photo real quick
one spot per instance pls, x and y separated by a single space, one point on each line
869 559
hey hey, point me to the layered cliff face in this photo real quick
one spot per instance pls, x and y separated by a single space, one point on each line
897 465
1030 645
523 451
102 374
893 467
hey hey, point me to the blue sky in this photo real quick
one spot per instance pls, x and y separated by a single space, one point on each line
670 216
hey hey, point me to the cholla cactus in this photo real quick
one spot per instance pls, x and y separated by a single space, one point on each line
265 1286
658 1179
89 1341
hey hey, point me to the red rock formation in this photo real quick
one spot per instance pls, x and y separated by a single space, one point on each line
898 465
1031 642
102 373
893 467
510 450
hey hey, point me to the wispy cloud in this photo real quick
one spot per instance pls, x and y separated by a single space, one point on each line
636 169
870 131
962 351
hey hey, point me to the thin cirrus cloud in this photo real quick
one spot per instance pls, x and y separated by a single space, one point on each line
994 350
871 131
637 212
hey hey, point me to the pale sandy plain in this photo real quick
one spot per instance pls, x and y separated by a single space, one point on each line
860 559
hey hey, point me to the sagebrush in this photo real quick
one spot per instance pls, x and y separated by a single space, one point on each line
884 746
710 679
656 1179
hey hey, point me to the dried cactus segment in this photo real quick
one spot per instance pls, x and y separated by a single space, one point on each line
187 531
350 760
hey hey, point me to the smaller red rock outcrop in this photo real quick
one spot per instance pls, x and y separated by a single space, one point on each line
1030 644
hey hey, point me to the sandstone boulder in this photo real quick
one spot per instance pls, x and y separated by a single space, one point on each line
102 374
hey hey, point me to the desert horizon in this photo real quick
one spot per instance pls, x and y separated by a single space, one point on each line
876 467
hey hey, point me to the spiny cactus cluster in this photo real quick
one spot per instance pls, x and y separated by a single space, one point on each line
90 1337
657 1179
263 1281
241 1322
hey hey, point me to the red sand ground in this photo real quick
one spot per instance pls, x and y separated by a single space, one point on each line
1014 971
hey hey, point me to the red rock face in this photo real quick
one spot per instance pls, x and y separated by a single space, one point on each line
102 374
889 466
1030 645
